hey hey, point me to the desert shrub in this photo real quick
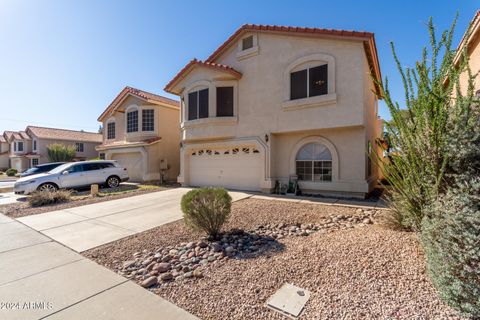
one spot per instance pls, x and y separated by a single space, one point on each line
419 132
206 209
58 152
11 172
451 241
42 198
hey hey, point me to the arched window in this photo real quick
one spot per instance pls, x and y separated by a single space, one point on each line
314 163
132 119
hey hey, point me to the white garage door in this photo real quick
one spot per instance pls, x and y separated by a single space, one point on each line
235 168
133 161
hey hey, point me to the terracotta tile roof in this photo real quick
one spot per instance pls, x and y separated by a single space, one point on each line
194 63
17 135
65 134
148 96
367 37
126 144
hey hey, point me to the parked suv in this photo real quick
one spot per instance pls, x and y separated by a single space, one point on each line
41 168
74 175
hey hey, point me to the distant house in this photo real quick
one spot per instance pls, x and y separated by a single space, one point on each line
140 131
29 148
472 42
276 104
4 156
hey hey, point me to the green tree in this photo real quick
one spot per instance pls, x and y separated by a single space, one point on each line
60 153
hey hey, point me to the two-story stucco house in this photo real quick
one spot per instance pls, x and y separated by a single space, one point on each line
274 104
141 132
29 148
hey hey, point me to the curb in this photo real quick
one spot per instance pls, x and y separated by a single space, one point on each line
6 189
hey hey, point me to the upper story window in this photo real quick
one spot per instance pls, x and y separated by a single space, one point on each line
309 82
19 146
14 146
79 147
224 101
148 120
247 43
111 130
34 145
314 163
132 121
198 104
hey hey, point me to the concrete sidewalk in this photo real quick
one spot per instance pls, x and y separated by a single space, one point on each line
86 227
41 279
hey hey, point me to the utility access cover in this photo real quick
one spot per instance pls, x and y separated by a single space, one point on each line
289 300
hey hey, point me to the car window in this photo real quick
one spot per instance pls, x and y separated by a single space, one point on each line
76 168
92 166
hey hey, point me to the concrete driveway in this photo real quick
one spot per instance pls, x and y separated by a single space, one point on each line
89 226
41 279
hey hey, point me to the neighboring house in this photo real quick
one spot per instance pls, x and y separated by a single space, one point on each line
20 148
140 131
4 156
29 148
273 104
471 39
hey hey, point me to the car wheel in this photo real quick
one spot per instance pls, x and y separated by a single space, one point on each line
47 187
113 182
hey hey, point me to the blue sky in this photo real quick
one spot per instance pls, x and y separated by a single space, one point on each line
62 62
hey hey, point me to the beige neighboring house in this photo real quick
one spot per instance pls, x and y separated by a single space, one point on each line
472 41
4 154
29 148
141 132
273 104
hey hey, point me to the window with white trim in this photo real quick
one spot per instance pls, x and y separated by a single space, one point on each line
20 146
198 104
225 101
111 130
132 121
79 147
34 162
314 163
309 82
148 120
34 148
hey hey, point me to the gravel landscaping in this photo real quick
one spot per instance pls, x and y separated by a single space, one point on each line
354 268
80 198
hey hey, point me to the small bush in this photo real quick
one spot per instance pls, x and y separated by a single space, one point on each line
11 172
206 209
43 198
58 152
451 239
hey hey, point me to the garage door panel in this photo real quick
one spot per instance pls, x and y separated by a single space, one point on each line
233 171
133 161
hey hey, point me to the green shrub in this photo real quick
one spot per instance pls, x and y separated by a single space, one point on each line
451 240
206 209
42 198
58 152
419 133
11 172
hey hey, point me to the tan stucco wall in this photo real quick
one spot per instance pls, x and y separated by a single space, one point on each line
348 118
474 54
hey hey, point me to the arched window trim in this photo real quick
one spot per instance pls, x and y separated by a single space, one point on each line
110 120
321 140
310 61
314 169
132 108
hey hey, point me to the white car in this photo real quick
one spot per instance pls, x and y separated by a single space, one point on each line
74 175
